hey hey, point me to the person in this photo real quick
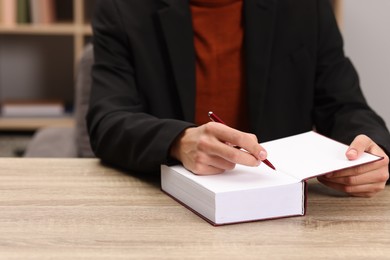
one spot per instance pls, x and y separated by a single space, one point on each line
269 68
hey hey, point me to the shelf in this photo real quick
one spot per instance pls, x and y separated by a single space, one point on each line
32 124
46 56
51 29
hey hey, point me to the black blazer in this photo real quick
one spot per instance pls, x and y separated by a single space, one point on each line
143 93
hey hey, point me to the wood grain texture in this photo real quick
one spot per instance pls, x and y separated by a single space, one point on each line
77 208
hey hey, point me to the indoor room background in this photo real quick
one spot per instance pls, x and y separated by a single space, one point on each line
36 66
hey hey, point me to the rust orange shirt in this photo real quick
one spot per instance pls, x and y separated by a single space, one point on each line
218 41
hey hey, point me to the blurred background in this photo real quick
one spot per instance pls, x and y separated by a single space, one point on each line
366 30
41 42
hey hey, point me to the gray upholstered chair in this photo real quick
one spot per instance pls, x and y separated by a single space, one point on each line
68 141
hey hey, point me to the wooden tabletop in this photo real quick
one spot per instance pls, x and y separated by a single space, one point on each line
77 208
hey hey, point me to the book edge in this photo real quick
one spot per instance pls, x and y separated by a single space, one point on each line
213 223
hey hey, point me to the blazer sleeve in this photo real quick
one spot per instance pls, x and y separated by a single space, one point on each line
341 110
122 133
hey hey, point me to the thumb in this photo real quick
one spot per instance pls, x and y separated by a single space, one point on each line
358 146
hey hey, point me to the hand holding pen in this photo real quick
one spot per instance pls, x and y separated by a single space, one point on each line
205 149
213 117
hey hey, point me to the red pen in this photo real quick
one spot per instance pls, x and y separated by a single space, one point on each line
215 118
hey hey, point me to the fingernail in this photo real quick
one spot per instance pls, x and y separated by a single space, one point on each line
263 155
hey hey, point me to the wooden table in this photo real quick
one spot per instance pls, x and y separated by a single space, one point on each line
77 208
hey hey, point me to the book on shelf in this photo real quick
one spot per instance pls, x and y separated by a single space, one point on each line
23 11
247 194
8 12
32 109
27 11
42 11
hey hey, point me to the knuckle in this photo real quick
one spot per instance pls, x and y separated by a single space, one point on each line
199 169
377 188
363 136
359 169
382 186
362 140
253 137
237 137
196 169
208 127
203 143
348 189
351 180
198 160
383 176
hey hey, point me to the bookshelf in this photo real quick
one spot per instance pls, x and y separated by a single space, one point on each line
46 54
56 47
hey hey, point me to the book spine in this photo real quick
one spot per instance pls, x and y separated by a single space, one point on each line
1 12
26 109
48 11
43 11
34 9
23 11
8 10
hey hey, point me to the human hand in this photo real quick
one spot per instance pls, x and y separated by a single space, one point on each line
208 149
364 180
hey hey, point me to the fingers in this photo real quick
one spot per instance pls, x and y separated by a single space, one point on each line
215 149
364 180
248 142
358 146
204 164
371 177
208 149
358 170
219 153
206 170
364 190
232 154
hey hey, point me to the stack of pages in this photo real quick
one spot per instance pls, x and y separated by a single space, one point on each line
256 193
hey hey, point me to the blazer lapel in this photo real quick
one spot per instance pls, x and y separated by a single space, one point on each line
176 22
259 26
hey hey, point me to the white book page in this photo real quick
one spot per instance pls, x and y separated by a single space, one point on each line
310 154
240 178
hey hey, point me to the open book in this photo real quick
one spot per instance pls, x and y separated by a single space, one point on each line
256 193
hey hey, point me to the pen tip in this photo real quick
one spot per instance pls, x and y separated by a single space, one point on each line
210 112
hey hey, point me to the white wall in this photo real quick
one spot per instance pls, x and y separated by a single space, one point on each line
366 31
